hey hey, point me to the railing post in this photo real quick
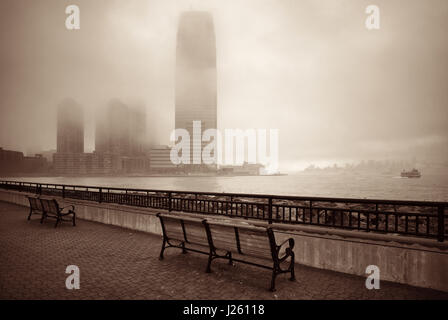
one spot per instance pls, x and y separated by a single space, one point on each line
311 214
270 211
368 222
100 196
169 202
441 223
63 191
195 206
377 217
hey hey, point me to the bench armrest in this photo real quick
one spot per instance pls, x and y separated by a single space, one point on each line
288 250
290 241
72 208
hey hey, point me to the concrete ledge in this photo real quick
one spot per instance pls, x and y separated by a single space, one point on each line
414 261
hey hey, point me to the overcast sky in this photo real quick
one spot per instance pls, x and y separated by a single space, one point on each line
310 68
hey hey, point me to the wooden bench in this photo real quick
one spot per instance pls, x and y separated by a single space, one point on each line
51 209
235 242
35 207
184 233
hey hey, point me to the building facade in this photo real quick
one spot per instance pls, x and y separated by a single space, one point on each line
121 130
97 164
160 160
82 163
196 79
119 142
14 162
137 131
70 127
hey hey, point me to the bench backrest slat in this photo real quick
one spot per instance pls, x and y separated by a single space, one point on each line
223 237
184 229
255 243
54 206
35 203
44 203
173 229
248 240
50 206
195 232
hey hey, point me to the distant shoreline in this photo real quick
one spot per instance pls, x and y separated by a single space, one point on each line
141 176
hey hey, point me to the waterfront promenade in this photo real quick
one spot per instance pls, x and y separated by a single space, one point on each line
117 263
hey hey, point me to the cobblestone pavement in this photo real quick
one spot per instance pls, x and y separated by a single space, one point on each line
117 263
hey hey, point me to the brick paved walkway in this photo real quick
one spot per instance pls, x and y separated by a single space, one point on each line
117 263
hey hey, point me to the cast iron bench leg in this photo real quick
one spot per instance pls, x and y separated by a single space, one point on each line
274 274
210 258
29 216
43 218
291 267
163 249
74 217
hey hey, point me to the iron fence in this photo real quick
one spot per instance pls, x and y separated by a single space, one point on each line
410 218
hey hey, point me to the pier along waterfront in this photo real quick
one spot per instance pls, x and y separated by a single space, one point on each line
118 263
426 219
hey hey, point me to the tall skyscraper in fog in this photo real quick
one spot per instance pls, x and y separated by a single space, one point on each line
196 97
121 130
70 127
137 130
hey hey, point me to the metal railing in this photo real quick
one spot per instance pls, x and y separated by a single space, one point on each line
411 218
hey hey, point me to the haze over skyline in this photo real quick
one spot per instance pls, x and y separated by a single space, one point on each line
336 91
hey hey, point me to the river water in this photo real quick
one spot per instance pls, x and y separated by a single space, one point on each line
433 187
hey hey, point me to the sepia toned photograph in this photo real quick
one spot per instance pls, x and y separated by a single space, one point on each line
223 156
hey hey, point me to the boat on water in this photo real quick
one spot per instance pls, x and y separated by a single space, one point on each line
414 173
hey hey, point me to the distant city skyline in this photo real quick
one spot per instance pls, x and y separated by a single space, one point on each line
337 91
